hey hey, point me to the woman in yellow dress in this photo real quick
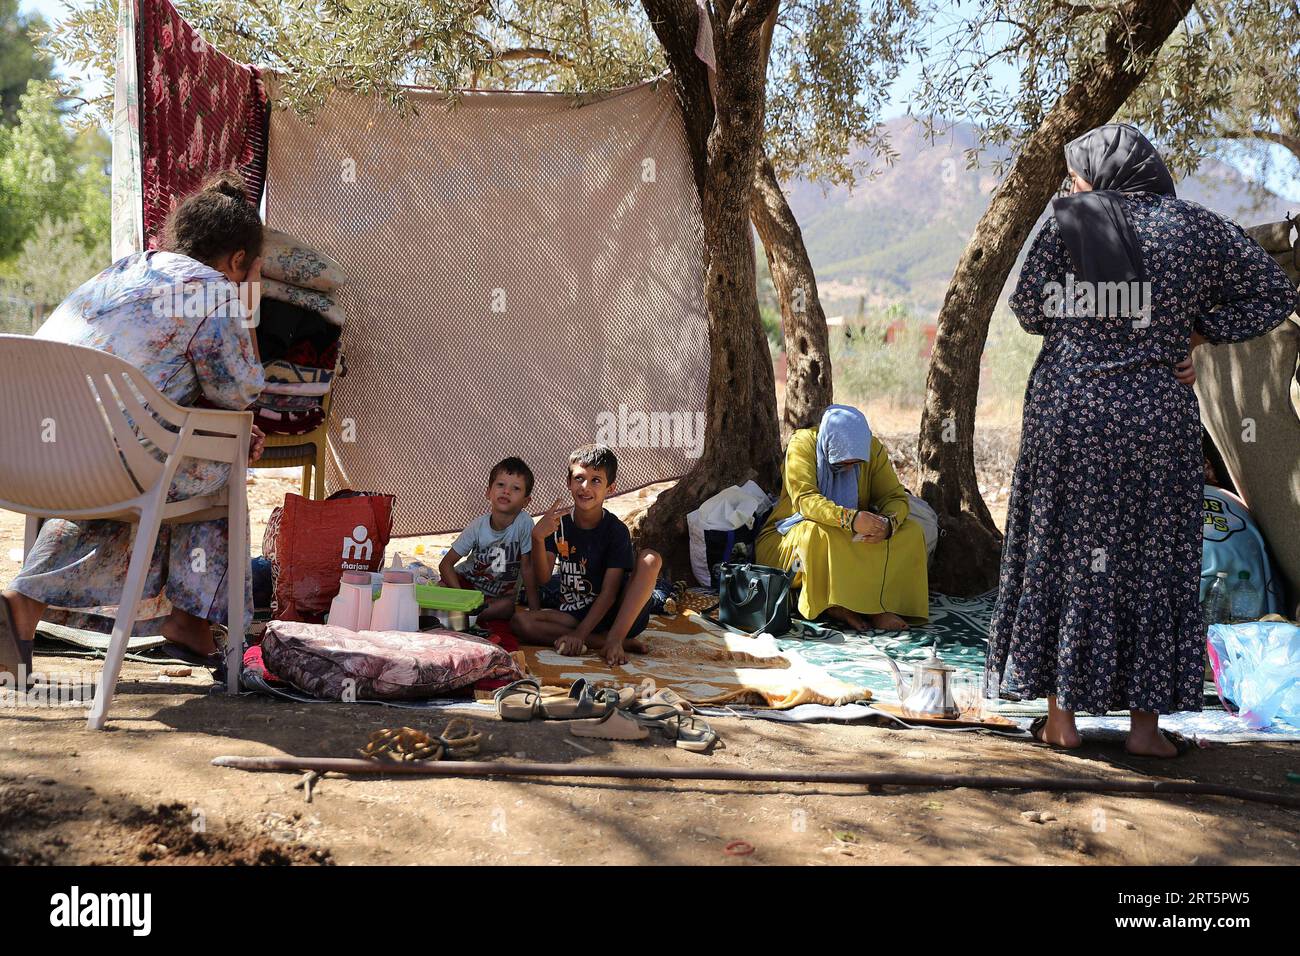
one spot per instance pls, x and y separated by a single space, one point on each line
843 516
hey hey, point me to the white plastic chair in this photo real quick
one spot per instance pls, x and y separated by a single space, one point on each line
67 450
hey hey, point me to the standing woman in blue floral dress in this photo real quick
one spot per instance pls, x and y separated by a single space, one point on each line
1097 604
180 317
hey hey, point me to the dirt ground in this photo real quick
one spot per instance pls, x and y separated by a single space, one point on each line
145 792
74 796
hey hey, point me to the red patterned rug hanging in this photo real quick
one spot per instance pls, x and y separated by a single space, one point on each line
200 112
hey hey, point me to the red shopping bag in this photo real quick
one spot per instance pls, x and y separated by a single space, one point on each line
311 543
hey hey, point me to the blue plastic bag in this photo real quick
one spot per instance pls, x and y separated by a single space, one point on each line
1257 670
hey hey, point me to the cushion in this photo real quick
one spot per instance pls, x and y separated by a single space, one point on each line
285 378
274 422
338 664
289 259
320 302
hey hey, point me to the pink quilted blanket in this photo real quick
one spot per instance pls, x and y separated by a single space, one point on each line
338 664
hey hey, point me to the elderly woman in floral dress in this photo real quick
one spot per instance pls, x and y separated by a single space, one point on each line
178 316
1097 606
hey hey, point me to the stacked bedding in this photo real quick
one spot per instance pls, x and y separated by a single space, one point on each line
298 334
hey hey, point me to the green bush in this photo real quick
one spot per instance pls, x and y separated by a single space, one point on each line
868 369
17 314
1009 354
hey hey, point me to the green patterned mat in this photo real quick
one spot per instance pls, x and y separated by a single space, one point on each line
958 626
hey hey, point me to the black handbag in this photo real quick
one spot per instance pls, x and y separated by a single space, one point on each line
754 598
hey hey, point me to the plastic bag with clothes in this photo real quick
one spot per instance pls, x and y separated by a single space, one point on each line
919 510
1257 670
723 529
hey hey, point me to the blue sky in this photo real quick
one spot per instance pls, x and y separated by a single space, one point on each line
46 7
51 10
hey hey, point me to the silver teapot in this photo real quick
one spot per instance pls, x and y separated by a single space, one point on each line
929 692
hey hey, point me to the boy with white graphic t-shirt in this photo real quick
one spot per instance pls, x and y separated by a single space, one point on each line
489 555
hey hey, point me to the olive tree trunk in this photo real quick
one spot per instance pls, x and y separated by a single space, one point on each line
742 438
969 549
808 387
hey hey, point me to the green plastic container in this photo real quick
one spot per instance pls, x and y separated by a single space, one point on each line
447 599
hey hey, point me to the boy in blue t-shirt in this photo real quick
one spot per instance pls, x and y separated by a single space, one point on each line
601 598
491 554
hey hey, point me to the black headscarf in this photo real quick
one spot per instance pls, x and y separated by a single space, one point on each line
1115 159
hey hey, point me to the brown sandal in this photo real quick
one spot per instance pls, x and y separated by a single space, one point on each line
615 725
583 700
662 704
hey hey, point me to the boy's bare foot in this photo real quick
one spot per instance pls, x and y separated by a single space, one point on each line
634 644
887 621
842 614
190 632
569 645
600 642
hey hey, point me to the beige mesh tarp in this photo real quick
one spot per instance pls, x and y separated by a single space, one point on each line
526 277
1264 460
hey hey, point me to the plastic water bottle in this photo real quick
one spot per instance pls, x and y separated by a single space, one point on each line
351 607
1217 607
396 609
1244 599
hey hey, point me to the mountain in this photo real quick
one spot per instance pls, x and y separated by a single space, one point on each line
897 238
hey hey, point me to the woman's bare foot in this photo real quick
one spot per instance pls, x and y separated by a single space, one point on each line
1145 738
16 654
26 613
1060 734
842 614
1060 730
1156 745
887 621
193 633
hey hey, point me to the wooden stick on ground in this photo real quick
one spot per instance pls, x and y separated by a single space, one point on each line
870 779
